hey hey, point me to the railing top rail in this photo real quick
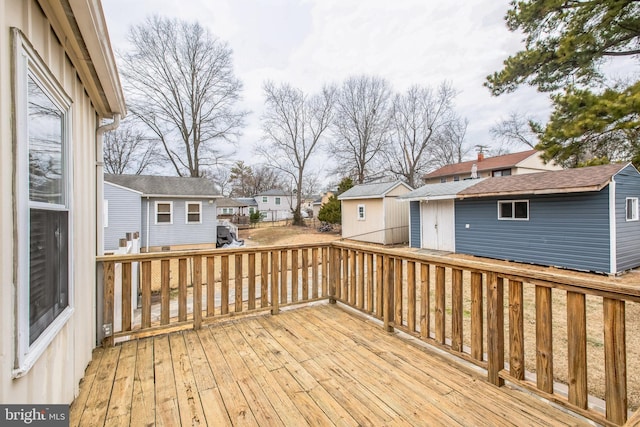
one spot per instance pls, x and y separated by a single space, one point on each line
151 256
576 281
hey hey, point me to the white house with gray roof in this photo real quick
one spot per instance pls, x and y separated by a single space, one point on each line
371 213
167 211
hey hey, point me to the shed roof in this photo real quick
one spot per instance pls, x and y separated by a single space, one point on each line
247 201
440 191
489 163
226 202
166 186
592 178
371 191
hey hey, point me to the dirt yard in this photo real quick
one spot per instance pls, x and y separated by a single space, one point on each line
285 235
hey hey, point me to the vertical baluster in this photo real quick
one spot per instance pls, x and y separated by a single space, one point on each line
477 321
314 273
516 330
108 299
380 278
352 278
305 274
615 359
370 275
275 304
237 307
398 292
456 309
577 348
425 320
284 275
126 296
544 340
411 296
360 279
440 304
224 284
197 291
495 330
182 289
252 280
146 294
295 274
165 291
264 279
211 286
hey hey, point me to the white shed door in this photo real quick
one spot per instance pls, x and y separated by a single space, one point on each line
437 225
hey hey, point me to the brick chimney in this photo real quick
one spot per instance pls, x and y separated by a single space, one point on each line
480 156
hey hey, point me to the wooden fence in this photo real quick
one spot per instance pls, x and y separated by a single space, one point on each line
479 312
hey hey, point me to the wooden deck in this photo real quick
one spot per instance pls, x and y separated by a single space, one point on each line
317 365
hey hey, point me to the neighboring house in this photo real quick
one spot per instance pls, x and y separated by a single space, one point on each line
249 205
432 214
58 81
320 201
274 205
505 165
122 209
227 206
371 213
174 211
582 219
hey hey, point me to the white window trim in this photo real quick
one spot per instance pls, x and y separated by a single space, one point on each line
513 209
277 201
186 213
28 63
265 199
364 213
635 215
160 202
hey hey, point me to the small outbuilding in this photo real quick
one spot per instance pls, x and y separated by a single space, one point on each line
372 213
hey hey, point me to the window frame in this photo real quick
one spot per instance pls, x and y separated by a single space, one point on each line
162 202
265 199
277 201
635 215
513 210
186 212
362 217
29 65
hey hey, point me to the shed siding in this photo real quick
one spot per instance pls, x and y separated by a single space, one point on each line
54 377
569 231
178 232
395 224
414 224
627 232
368 230
125 213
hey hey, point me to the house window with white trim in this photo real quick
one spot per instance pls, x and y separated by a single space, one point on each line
517 210
252 210
277 201
43 204
164 212
632 209
265 199
193 212
361 212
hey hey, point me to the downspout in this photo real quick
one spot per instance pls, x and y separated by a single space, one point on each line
147 224
100 327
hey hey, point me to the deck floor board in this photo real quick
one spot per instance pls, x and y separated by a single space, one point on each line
317 365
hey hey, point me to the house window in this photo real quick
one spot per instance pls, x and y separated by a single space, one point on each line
43 205
632 209
193 212
456 178
443 179
501 172
227 211
265 199
513 210
277 200
252 210
361 213
164 212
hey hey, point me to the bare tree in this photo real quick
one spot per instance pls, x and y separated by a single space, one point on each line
420 117
266 178
180 83
449 147
221 176
127 150
361 126
516 129
293 124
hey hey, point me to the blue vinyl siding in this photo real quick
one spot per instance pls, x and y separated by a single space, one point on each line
178 233
124 214
414 224
565 230
627 232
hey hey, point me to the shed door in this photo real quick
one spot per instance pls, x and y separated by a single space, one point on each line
437 225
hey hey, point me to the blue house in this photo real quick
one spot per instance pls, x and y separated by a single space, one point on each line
167 211
582 219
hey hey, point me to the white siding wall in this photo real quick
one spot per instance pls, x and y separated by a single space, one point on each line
55 375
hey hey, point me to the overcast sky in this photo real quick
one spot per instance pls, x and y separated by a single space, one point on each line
311 42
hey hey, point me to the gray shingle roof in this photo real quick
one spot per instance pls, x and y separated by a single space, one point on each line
490 163
445 190
247 201
592 178
374 190
225 202
274 192
174 186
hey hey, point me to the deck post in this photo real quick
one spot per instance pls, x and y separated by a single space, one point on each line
495 330
109 280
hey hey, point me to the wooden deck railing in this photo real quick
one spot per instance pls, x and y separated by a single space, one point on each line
459 306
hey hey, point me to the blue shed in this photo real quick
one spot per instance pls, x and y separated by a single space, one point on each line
582 219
